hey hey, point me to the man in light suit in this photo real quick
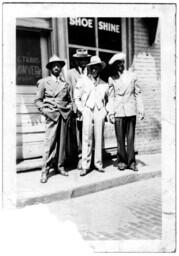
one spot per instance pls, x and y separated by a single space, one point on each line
81 59
53 99
127 98
91 94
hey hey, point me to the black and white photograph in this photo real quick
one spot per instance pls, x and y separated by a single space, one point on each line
88 128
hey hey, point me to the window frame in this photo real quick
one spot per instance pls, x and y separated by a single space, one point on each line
97 50
45 46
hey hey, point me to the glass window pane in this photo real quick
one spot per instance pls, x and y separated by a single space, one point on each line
109 33
81 31
28 58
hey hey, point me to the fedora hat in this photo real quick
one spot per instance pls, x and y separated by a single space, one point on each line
81 53
53 59
117 56
95 60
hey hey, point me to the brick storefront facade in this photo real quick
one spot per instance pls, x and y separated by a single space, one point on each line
146 63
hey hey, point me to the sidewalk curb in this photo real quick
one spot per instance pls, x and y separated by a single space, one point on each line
87 188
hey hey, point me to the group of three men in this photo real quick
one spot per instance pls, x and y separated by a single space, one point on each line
90 99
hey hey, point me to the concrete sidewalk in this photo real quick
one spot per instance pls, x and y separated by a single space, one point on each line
31 191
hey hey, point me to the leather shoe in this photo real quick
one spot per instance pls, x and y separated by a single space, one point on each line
79 166
83 172
100 170
62 171
44 177
122 166
133 167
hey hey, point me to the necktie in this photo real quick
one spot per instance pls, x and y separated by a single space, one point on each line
94 97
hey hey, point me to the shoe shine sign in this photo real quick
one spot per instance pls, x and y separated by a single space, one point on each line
82 32
102 25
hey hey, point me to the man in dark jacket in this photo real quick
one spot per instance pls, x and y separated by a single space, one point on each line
54 102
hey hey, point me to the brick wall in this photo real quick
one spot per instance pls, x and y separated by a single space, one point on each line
146 63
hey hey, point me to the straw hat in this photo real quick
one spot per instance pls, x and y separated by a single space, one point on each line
117 56
95 60
81 53
53 59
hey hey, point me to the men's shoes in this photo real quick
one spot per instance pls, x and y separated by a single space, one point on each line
44 177
62 171
100 170
122 166
133 167
79 166
83 172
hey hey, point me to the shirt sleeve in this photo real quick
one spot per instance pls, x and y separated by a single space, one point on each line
40 94
69 93
69 81
138 95
110 92
78 94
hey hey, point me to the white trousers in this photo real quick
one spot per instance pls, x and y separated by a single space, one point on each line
93 124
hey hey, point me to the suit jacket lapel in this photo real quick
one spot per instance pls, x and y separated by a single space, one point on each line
55 87
76 77
89 86
51 85
60 87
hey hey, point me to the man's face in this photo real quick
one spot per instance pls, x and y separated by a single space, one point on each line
119 65
56 68
95 70
82 62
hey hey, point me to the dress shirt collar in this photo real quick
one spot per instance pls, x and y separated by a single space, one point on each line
80 70
84 71
95 81
56 79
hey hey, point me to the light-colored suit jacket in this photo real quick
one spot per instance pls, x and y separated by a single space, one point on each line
126 94
53 99
84 88
72 77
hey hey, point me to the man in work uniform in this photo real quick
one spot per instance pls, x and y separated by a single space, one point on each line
81 59
91 96
53 99
127 98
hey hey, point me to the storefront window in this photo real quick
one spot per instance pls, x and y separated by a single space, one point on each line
81 31
28 58
109 33
100 36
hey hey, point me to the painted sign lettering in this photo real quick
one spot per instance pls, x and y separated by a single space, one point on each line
28 58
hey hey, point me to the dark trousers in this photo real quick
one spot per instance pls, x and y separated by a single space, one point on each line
79 137
125 131
74 141
55 142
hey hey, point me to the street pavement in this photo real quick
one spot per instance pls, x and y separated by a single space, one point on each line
30 191
131 211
